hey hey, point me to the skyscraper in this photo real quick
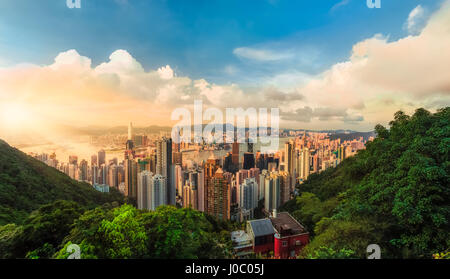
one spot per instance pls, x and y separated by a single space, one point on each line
144 183
249 161
164 166
158 192
130 178
235 154
304 163
151 190
101 157
218 196
289 157
130 131
93 160
248 197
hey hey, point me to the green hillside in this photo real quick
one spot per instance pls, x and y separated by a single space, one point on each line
395 193
26 184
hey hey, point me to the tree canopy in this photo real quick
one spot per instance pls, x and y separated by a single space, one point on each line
395 193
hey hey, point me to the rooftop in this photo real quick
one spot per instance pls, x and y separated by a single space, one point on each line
262 227
286 225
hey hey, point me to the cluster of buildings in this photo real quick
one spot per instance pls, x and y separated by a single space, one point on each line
237 186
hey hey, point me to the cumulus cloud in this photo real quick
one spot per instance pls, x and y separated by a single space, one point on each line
379 78
410 70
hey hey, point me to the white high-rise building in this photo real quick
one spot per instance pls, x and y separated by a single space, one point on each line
304 163
248 196
151 190
158 193
272 197
130 131
144 184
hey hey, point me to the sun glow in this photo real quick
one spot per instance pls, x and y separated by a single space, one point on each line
15 115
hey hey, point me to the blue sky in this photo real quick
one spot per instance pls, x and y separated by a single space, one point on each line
211 39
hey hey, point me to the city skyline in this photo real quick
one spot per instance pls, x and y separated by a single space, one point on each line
224 129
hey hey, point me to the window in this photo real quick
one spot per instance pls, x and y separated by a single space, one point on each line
284 243
298 243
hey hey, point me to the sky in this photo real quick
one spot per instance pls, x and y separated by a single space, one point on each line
326 64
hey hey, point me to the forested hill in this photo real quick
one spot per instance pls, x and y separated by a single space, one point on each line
26 184
395 193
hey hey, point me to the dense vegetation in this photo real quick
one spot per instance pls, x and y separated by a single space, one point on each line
395 193
43 211
26 184
112 231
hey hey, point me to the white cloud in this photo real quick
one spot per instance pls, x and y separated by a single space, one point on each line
261 54
416 20
340 4
165 72
409 72
380 77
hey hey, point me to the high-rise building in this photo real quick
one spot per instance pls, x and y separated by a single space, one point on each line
289 157
94 174
341 153
248 197
144 184
83 171
151 190
201 190
131 168
101 157
130 131
285 187
94 160
272 193
158 192
190 196
249 161
73 160
177 158
235 153
304 163
103 174
164 166
228 163
218 196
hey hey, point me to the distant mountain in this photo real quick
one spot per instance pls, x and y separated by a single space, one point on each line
97 131
26 184
352 135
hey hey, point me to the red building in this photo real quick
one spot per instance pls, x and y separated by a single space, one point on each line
261 232
280 234
290 236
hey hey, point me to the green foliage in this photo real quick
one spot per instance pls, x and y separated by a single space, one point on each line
329 253
394 193
124 236
43 230
8 240
26 184
167 232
